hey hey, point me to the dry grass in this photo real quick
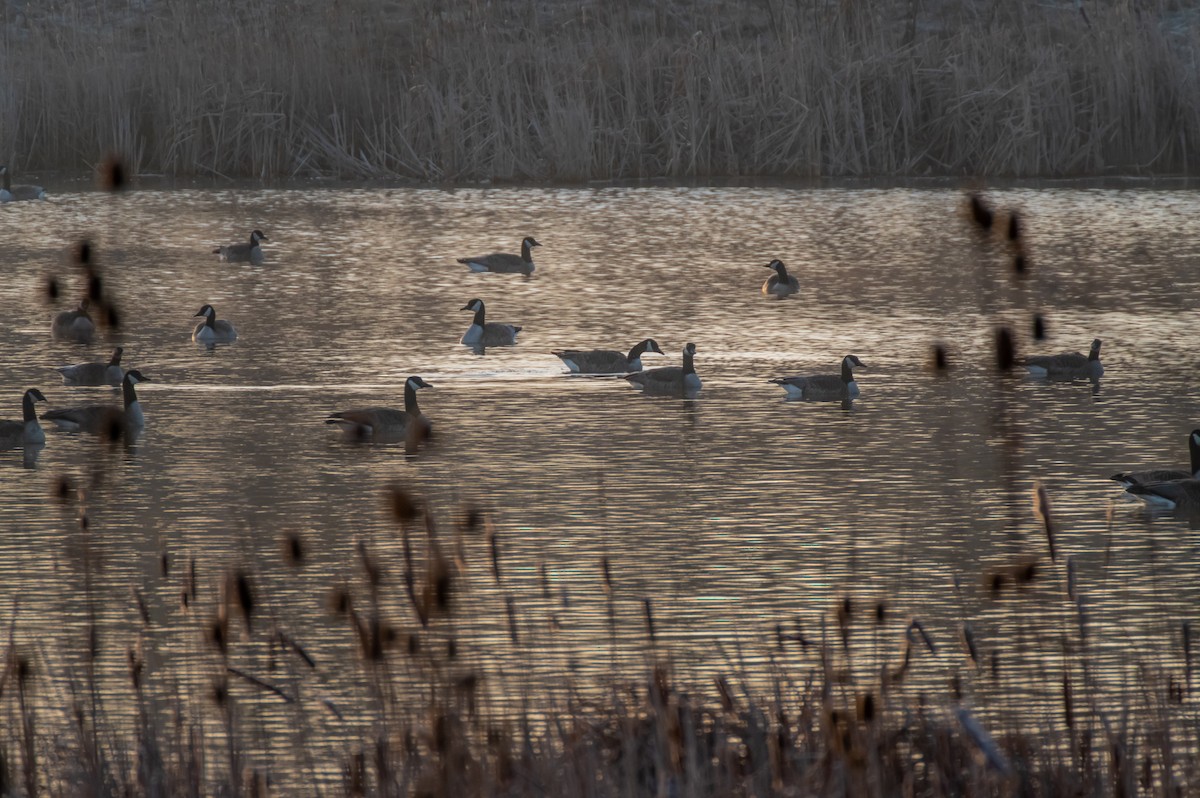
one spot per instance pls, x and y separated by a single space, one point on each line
867 703
430 91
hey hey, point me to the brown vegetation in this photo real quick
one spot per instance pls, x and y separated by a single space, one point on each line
564 91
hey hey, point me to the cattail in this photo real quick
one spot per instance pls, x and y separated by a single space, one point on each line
880 613
293 549
939 358
51 287
866 707
649 612
140 601
62 489
981 212
1006 349
724 692
1041 508
511 608
493 539
218 633
81 253
607 575
370 568
1068 704
1020 264
245 597
1039 327
164 564
1014 226
137 666
339 601
919 628
404 507
1187 654
111 174
1071 579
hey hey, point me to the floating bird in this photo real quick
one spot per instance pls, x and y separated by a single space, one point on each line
18 193
670 380
824 387
99 419
384 423
74 325
780 283
212 330
109 373
606 361
485 333
1069 366
27 431
505 262
1128 478
243 253
1179 494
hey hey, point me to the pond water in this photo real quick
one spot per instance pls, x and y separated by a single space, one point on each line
731 512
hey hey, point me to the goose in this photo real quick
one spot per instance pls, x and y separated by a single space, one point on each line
109 373
18 193
384 423
1069 366
243 253
27 431
98 419
1125 479
780 283
74 325
212 331
606 361
670 380
1179 494
505 262
824 387
484 333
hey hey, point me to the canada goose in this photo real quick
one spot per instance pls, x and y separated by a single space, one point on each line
384 423
606 361
483 333
1164 474
109 373
18 193
99 419
243 253
505 262
824 387
670 380
780 283
1069 366
74 325
1179 494
212 330
27 431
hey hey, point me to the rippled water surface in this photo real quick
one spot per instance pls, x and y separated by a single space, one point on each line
731 512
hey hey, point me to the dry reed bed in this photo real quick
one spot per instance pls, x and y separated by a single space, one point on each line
568 92
867 702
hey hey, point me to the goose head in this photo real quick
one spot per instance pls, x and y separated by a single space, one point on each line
778 266
257 236
416 382
206 311
689 349
650 345
134 377
36 395
850 361
530 241
475 305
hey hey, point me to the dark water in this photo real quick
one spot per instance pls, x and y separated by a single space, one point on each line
732 512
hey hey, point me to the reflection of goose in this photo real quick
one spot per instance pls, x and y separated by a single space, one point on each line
485 333
18 193
824 387
74 325
27 431
212 330
781 283
1180 494
109 373
99 419
606 361
384 423
1068 366
504 262
670 380
1164 474
243 253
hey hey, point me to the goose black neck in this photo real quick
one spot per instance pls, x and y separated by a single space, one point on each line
847 372
1194 449
525 254
479 315
410 400
637 351
7 180
211 321
128 392
782 271
27 407
688 366
115 360
1093 354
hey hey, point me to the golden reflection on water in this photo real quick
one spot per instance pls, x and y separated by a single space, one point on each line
732 512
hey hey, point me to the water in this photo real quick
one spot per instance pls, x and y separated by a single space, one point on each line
731 512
